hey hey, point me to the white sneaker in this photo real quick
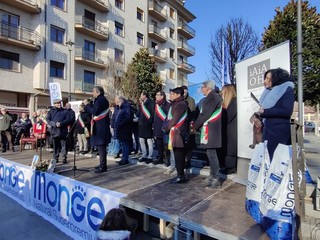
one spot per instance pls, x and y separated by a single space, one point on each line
170 171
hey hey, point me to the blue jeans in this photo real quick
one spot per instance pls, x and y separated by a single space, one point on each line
114 147
125 150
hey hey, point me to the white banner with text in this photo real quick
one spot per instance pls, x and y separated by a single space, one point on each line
76 208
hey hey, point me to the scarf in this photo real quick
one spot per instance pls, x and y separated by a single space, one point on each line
270 97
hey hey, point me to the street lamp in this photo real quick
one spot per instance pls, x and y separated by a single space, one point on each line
70 47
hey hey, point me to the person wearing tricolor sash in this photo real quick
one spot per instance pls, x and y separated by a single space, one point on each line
100 125
146 113
209 124
177 128
161 110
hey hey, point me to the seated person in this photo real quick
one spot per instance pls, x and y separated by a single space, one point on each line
23 126
116 225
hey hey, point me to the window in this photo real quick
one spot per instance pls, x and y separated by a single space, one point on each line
171 33
172 53
56 34
89 50
119 29
171 74
118 55
10 25
56 69
119 4
140 39
9 60
89 19
58 3
140 15
172 13
88 81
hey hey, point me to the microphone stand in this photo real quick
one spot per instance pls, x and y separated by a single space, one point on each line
74 168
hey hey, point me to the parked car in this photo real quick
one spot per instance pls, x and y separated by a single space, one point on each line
309 126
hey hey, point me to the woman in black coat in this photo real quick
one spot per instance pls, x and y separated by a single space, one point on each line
100 129
228 152
277 102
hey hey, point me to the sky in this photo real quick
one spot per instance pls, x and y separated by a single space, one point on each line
212 14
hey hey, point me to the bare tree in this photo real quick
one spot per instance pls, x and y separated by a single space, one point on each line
236 41
114 74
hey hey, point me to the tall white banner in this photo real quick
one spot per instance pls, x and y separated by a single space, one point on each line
249 74
76 208
55 91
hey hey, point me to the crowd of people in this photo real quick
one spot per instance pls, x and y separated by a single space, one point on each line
126 128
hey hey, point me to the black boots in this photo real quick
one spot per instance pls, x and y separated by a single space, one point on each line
178 179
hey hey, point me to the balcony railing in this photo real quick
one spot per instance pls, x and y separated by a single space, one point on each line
30 6
20 34
157 10
87 87
186 67
157 33
186 48
95 26
101 5
92 58
158 55
186 30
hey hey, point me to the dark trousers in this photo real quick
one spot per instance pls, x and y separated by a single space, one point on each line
213 162
60 145
160 147
102 155
179 156
190 145
125 144
18 135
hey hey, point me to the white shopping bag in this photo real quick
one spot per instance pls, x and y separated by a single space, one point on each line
277 197
257 173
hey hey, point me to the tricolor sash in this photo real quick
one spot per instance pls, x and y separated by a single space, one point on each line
160 113
43 118
204 135
102 115
172 130
145 111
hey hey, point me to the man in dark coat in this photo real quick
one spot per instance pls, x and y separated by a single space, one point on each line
123 128
71 127
191 144
146 112
178 129
161 110
209 122
100 125
58 120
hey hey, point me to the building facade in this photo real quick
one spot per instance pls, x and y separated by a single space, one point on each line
82 43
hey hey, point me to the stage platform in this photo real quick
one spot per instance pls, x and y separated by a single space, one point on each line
216 213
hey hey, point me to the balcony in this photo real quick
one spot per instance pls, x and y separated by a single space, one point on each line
157 34
157 55
92 28
157 11
90 58
186 67
185 30
20 36
100 5
30 6
186 49
87 87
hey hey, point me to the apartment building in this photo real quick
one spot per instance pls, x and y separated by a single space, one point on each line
82 43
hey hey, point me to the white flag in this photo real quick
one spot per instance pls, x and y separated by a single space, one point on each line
55 91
